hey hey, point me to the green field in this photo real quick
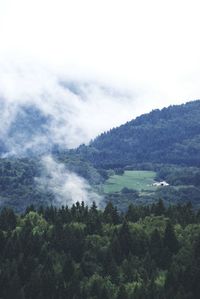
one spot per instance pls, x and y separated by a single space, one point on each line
138 180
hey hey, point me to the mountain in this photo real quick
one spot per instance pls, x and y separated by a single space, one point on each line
167 141
167 136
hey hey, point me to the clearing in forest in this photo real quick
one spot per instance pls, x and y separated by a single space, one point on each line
140 180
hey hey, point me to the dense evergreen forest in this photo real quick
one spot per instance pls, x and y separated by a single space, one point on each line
80 252
18 185
123 251
167 136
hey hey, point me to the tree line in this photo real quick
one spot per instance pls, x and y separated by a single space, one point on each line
88 253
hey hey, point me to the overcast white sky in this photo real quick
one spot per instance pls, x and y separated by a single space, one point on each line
149 49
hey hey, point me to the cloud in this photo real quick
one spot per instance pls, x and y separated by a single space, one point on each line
67 187
148 45
41 108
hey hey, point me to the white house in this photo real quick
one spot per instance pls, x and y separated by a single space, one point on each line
160 184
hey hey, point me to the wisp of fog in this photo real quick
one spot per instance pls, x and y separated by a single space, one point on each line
41 109
67 187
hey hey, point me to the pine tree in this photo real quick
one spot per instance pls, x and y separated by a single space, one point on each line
110 214
110 267
160 208
125 239
132 213
8 219
170 245
170 240
156 247
122 293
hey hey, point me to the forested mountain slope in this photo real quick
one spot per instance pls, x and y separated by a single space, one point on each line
170 135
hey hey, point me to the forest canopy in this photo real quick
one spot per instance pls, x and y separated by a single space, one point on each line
84 252
167 136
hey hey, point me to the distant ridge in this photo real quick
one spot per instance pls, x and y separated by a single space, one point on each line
170 135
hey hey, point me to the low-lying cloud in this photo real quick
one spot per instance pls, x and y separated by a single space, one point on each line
40 109
69 112
67 187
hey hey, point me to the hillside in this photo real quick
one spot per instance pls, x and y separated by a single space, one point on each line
167 136
153 141
21 181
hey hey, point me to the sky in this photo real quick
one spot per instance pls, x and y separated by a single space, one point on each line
128 57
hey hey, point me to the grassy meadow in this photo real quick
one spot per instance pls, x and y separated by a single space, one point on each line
139 180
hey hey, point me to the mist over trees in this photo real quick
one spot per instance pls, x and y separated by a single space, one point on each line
165 141
97 199
120 251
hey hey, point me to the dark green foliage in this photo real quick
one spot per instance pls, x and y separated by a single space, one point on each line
86 253
159 208
133 192
170 135
170 244
177 175
8 219
122 294
170 240
125 239
82 168
111 214
156 247
19 189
